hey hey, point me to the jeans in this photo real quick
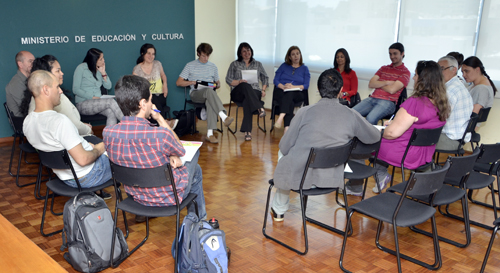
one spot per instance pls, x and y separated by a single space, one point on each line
375 109
100 174
195 185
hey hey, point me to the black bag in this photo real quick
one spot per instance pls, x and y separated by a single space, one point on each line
87 233
186 124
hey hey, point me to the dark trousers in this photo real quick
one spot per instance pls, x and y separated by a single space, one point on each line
161 104
287 102
251 103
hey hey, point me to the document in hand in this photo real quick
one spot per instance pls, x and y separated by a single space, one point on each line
250 76
293 89
191 148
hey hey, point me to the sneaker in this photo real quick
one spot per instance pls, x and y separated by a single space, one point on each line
277 217
104 195
211 139
383 183
203 114
228 121
350 192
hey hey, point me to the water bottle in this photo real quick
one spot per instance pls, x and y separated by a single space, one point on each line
214 223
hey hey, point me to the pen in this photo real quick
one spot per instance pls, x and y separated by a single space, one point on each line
391 118
158 111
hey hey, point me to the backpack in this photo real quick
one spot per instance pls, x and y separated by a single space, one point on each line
202 249
186 122
87 233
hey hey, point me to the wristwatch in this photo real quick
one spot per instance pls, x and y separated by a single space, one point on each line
344 94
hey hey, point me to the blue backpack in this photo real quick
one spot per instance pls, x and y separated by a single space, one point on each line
202 249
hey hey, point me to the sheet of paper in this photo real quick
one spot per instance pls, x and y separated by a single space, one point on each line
293 89
191 148
250 76
347 169
107 96
380 127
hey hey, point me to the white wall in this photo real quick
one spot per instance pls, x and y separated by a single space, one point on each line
215 24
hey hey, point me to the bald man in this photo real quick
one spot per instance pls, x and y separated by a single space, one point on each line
14 91
50 131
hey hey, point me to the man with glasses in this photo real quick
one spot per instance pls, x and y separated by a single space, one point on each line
461 106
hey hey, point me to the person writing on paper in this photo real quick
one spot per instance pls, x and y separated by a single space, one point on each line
135 143
427 108
342 63
204 71
324 124
292 75
244 91
88 78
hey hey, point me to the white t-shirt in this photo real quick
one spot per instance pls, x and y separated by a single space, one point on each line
50 131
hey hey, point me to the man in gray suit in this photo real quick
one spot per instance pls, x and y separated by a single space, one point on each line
324 124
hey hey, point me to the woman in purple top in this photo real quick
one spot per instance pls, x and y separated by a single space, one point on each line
427 108
292 74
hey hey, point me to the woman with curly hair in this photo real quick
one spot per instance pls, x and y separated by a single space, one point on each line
427 108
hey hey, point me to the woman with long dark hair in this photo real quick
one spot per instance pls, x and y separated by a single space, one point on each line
427 108
88 79
248 93
483 90
342 63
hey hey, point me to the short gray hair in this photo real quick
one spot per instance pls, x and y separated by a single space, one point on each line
451 61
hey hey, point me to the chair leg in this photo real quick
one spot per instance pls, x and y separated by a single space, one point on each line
44 213
258 123
437 253
274 239
348 224
12 155
331 228
465 212
235 121
19 170
487 255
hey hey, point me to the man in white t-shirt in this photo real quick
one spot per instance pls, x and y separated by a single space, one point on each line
50 131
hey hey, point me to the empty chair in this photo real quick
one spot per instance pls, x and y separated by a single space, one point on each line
400 211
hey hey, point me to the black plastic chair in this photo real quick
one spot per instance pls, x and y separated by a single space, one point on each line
471 125
400 211
460 169
24 146
318 158
482 116
402 97
196 105
362 171
419 137
238 105
147 178
275 107
60 160
355 100
496 223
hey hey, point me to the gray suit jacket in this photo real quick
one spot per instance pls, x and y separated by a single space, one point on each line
324 124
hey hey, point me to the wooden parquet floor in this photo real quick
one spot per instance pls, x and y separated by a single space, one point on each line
235 180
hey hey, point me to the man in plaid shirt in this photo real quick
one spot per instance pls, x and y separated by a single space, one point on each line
136 143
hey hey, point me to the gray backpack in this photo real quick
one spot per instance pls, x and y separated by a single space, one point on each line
87 233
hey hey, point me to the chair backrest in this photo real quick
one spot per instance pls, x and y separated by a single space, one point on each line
15 122
144 178
355 100
422 137
427 183
327 158
402 97
471 126
361 148
483 114
490 153
461 166
58 160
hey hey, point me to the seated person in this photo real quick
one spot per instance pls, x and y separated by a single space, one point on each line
427 108
389 82
483 90
50 63
203 70
313 126
342 63
14 91
135 143
50 131
460 106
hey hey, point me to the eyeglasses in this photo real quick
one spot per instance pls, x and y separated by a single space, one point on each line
444 68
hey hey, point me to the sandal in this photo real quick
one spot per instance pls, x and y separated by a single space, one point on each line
248 137
262 113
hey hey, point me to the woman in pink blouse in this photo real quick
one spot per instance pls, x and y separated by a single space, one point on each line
342 63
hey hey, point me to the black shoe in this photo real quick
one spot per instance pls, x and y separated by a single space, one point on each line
277 217
104 195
